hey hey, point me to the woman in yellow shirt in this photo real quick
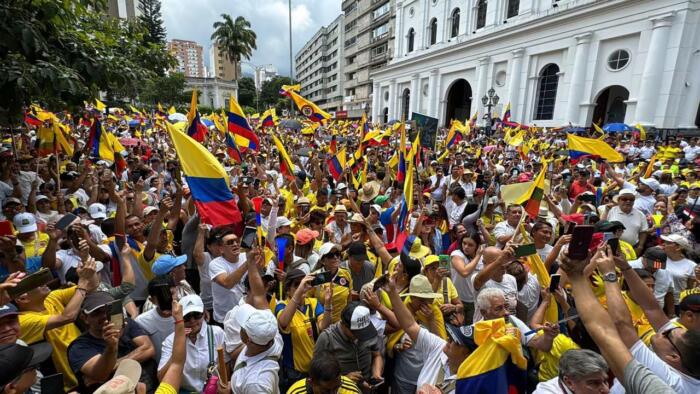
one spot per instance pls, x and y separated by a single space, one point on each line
448 302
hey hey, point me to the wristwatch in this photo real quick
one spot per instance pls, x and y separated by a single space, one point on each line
610 277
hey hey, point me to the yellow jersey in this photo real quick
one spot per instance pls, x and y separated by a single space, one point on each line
303 386
301 334
342 286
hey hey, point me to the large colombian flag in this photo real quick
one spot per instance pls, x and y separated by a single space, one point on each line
497 366
286 165
238 125
454 135
581 147
207 180
308 108
533 197
269 118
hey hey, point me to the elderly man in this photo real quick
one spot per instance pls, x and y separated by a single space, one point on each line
633 219
580 371
505 230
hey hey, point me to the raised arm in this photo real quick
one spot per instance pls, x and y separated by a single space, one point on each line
642 295
173 375
403 315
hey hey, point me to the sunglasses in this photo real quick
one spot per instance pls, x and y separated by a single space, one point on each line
193 316
231 242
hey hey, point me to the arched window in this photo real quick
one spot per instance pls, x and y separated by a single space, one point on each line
405 102
385 115
411 38
455 23
513 8
547 92
481 14
433 31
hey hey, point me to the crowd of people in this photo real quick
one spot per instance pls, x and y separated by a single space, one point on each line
334 285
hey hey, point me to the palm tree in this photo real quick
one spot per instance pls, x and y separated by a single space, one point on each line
235 39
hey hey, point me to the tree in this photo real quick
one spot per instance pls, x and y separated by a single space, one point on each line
270 94
152 19
167 90
235 39
246 92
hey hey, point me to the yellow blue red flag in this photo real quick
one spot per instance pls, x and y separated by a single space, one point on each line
581 147
196 129
238 125
307 107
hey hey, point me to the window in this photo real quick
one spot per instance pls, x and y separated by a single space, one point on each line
405 102
547 92
513 8
379 50
380 31
381 11
454 32
433 31
350 60
481 14
350 42
411 38
350 25
618 59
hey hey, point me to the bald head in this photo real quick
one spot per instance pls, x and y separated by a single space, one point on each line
491 254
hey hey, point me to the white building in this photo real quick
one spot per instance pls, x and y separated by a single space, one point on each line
556 62
214 92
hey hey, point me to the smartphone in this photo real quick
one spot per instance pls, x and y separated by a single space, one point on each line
165 298
249 238
380 282
608 236
525 250
116 315
614 245
374 382
321 278
31 282
554 282
65 221
444 261
570 229
580 241
52 384
6 228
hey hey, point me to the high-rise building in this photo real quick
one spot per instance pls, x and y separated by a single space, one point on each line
319 67
221 67
189 57
124 9
264 74
368 46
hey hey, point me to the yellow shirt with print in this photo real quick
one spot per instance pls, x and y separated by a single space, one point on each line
300 333
342 285
451 292
33 329
347 386
395 337
549 361
36 247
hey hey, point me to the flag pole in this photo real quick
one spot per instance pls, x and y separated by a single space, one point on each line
291 66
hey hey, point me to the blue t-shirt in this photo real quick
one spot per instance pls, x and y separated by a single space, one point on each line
31 264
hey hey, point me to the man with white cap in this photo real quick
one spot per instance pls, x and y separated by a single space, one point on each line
98 213
202 341
645 195
33 241
43 211
633 219
257 367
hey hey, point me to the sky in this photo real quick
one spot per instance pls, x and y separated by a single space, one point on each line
193 20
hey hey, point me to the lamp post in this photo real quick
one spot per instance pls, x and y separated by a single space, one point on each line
489 101
256 77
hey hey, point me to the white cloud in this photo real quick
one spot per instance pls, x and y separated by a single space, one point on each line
193 20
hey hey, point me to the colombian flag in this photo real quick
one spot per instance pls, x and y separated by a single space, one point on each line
238 125
506 113
31 118
333 147
497 366
407 205
336 164
286 166
46 141
454 135
232 148
269 118
196 128
401 174
308 108
207 180
533 197
581 147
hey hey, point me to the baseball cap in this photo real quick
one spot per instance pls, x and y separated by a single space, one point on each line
380 200
678 240
651 182
97 211
96 300
690 300
166 263
11 200
430 260
261 327
191 303
125 379
41 197
357 250
327 248
655 254
24 222
18 358
8 310
293 275
341 186
306 235
283 221
605 226
148 210
355 316
462 335
420 287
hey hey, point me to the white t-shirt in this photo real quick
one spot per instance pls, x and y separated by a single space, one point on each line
634 222
225 299
510 288
454 211
439 193
545 251
502 229
663 281
430 347
691 152
529 295
157 327
645 203
464 286
205 282
551 386
680 271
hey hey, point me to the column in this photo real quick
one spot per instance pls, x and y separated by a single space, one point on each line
578 79
415 95
376 101
399 33
432 92
514 74
689 106
392 99
480 86
653 69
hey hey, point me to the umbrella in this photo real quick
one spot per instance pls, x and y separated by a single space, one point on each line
177 117
134 123
616 128
574 130
291 124
130 141
207 122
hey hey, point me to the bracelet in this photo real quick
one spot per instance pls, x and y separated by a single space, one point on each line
629 267
179 321
84 290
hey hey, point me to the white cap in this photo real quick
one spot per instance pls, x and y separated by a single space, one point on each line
97 211
191 303
149 209
651 182
327 248
677 239
283 221
340 186
41 197
24 222
261 327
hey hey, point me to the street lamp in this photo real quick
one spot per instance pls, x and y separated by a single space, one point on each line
256 76
489 101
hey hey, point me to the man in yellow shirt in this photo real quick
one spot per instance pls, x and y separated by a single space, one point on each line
47 315
324 377
33 241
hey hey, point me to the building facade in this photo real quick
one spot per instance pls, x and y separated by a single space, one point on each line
555 62
221 67
369 45
319 67
264 74
189 58
124 9
214 92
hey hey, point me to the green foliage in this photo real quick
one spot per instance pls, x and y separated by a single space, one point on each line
249 110
234 38
167 90
246 92
270 94
60 53
152 19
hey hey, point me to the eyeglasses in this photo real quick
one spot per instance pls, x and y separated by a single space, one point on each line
667 335
231 242
193 316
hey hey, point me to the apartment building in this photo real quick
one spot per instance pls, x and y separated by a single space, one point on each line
221 67
319 67
189 58
124 9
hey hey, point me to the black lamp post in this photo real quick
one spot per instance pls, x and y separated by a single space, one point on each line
489 101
